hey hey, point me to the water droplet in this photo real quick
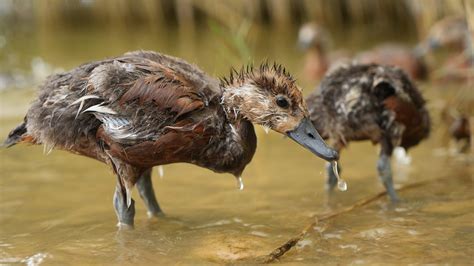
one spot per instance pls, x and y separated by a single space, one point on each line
161 171
341 183
240 183
266 129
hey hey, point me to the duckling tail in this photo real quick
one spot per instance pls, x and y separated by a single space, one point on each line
15 135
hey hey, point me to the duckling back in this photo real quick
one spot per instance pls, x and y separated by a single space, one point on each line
150 90
369 102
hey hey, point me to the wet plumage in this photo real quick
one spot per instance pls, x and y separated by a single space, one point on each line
144 109
370 102
393 54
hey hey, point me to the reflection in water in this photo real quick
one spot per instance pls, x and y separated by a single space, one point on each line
57 209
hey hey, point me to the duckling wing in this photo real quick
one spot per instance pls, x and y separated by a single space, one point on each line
144 97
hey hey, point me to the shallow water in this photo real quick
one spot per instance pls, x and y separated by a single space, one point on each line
57 209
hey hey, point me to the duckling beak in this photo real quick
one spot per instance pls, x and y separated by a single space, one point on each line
306 135
427 46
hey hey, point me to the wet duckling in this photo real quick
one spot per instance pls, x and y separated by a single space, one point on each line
393 54
370 102
144 109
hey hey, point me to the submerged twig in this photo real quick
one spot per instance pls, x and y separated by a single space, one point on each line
288 245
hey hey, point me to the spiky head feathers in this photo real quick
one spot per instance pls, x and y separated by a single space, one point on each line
266 95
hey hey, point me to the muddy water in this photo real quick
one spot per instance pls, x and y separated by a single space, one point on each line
57 209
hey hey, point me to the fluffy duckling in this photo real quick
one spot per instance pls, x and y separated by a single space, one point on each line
144 109
314 40
370 102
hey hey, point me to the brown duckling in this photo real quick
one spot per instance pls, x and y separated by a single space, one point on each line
460 130
370 102
451 33
456 115
314 40
393 54
144 109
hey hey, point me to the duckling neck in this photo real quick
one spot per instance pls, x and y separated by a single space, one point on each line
316 59
232 100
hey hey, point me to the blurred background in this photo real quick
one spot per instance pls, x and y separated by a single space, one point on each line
58 208
40 36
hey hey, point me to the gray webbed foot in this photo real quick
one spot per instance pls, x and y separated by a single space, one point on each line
145 189
385 174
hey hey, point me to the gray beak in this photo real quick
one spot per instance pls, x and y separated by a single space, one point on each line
306 135
427 46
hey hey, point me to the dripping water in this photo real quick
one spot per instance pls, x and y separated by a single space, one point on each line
161 171
341 183
240 183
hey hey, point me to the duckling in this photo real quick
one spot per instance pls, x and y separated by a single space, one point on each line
451 33
460 130
144 109
314 39
457 116
394 54
369 102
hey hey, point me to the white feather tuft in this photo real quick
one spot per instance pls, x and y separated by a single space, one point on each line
100 108
81 101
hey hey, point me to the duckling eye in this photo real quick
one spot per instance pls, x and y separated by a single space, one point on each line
282 102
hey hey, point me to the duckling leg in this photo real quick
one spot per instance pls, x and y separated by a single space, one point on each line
331 177
145 189
125 214
124 205
385 173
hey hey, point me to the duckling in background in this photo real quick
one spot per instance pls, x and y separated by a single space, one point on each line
393 54
457 115
460 130
369 102
144 109
451 33
314 39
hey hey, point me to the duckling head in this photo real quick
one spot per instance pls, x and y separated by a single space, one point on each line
451 32
268 96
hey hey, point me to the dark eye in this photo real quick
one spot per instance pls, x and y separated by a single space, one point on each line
282 102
